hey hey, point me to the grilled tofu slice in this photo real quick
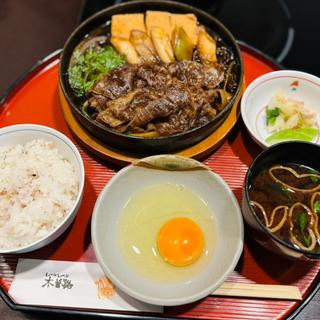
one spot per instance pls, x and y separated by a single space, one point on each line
159 19
189 24
122 24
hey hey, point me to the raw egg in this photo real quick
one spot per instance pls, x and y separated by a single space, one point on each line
180 241
167 232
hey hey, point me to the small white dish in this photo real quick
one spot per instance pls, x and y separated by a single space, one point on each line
297 85
24 133
148 172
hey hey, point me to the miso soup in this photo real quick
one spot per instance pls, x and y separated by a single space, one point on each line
286 198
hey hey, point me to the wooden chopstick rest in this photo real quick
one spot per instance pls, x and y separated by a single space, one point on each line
251 290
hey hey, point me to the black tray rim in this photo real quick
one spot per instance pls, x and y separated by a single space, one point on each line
19 82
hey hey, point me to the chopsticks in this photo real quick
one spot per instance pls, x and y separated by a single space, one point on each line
251 290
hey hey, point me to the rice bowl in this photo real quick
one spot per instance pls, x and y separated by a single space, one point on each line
41 186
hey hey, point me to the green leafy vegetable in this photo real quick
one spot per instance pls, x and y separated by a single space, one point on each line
90 66
316 207
314 179
272 115
307 240
302 224
302 221
304 134
284 194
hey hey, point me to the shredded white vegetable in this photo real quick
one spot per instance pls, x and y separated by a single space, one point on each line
287 113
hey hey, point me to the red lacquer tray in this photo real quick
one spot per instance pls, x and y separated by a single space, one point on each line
34 99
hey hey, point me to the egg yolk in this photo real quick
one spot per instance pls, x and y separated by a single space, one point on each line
180 241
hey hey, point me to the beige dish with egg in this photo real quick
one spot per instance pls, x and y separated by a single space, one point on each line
159 198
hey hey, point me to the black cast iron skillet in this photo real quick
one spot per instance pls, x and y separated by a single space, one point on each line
139 144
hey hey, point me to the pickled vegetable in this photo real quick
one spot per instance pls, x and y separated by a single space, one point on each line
303 134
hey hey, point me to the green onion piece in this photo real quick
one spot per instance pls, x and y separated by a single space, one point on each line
316 207
307 240
272 115
302 221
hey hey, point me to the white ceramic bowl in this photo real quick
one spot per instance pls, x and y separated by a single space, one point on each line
23 133
295 84
201 180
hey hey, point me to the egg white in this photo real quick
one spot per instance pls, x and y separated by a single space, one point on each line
143 216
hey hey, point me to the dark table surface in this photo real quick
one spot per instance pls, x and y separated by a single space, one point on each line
29 30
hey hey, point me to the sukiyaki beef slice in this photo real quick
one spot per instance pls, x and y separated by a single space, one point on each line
169 98
196 74
115 84
119 111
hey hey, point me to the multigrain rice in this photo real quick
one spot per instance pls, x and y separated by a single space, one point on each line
38 187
